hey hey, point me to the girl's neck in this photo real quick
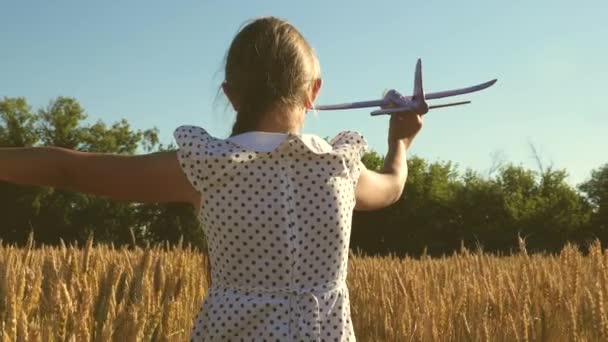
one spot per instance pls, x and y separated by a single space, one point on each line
282 121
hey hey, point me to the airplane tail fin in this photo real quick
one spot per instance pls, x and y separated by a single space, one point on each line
418 95
418 89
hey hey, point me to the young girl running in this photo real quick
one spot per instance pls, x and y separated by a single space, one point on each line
275 205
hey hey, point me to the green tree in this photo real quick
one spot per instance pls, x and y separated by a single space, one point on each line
596 190
440 208
17 125
373 161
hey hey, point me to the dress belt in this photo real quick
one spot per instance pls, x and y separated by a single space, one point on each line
307 305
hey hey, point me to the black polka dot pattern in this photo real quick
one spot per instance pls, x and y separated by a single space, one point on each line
278 228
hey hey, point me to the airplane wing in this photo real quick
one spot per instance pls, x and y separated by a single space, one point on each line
454 92
398 110
350 105
387 111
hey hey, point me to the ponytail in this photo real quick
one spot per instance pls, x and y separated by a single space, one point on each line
244 123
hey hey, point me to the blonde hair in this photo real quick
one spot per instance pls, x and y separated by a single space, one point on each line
269 65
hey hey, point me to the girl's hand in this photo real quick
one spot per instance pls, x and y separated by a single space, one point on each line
404 127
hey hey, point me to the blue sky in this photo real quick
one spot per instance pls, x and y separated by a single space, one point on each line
158 63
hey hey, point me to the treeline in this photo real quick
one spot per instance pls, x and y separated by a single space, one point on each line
441 208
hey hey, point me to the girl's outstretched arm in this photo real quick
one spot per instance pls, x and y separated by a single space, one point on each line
155 177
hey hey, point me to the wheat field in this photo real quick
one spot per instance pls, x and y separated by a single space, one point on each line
102 293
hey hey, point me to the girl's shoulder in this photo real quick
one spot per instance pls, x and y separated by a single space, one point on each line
188 133
349 142
190 137
349 139
194 140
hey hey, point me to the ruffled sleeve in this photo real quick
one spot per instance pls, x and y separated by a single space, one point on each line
192 142
352 146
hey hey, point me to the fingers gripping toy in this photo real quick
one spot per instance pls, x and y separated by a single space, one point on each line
394 102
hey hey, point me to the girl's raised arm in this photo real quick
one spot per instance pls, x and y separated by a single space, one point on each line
377 190
155 177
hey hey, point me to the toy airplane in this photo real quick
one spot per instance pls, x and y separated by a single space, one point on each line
394 102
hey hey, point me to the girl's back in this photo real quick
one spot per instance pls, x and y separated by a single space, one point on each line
278 228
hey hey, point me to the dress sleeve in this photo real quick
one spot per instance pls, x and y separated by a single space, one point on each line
352 146
191 141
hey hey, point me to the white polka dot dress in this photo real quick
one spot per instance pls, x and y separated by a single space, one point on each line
278 226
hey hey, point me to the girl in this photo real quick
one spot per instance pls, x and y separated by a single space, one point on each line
276 205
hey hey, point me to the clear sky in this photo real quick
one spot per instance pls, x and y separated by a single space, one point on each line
159 63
